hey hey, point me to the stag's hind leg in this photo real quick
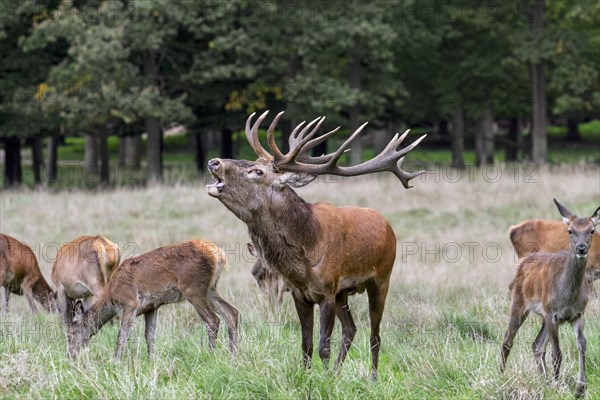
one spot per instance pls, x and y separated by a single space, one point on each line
342 311
229 313
377 292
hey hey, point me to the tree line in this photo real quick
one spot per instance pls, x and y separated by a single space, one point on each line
122 67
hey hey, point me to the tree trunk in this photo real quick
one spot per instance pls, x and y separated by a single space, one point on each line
154 150
355 74
104 163
13 176
539 138
488 124
52 173
443 128
90 154
36 159
573 134
153 128
226 143
122 150
511 150
133 150
458 138
200 155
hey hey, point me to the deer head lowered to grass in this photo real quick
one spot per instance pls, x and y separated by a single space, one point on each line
81 270
554 286
140 285
324 253
20 274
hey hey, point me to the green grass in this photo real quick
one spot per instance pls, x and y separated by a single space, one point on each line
441 331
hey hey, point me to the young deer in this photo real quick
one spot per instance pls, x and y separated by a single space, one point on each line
189 270
324 253
548 236
20 274
82 270
554 287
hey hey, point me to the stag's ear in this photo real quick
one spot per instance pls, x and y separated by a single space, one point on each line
78 312
596 216
567 215
295 179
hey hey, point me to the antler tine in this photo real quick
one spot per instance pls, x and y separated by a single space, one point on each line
336 156
252 136
277 154
313 143
294 151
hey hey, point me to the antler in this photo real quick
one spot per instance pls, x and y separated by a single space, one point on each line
298 158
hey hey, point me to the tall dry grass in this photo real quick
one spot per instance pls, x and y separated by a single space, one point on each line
445 314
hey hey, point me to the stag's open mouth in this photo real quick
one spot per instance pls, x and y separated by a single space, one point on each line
215 188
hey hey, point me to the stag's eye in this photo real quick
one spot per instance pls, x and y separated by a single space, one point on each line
570 232
592 232
258 172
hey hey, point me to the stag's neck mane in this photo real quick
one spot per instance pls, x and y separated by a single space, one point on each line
284 229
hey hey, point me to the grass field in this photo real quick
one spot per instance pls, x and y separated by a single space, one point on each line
446 311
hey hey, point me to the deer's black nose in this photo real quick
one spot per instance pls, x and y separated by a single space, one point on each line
581 248
213 165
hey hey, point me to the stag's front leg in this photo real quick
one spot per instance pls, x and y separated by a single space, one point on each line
306 315
327 311
581 344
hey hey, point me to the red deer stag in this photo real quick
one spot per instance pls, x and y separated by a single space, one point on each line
553 285
268 279
189 270
548 236
20 274
324 253
81 270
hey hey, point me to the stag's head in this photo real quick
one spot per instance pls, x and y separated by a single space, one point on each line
244 186
581 229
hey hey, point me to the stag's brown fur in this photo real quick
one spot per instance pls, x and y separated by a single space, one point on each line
20 274
554 286
82 269
323 252
549 236
189 270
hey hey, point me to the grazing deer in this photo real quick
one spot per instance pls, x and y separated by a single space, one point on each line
20 274
81 270
268 279
324 253
189 270
553 285
548 236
